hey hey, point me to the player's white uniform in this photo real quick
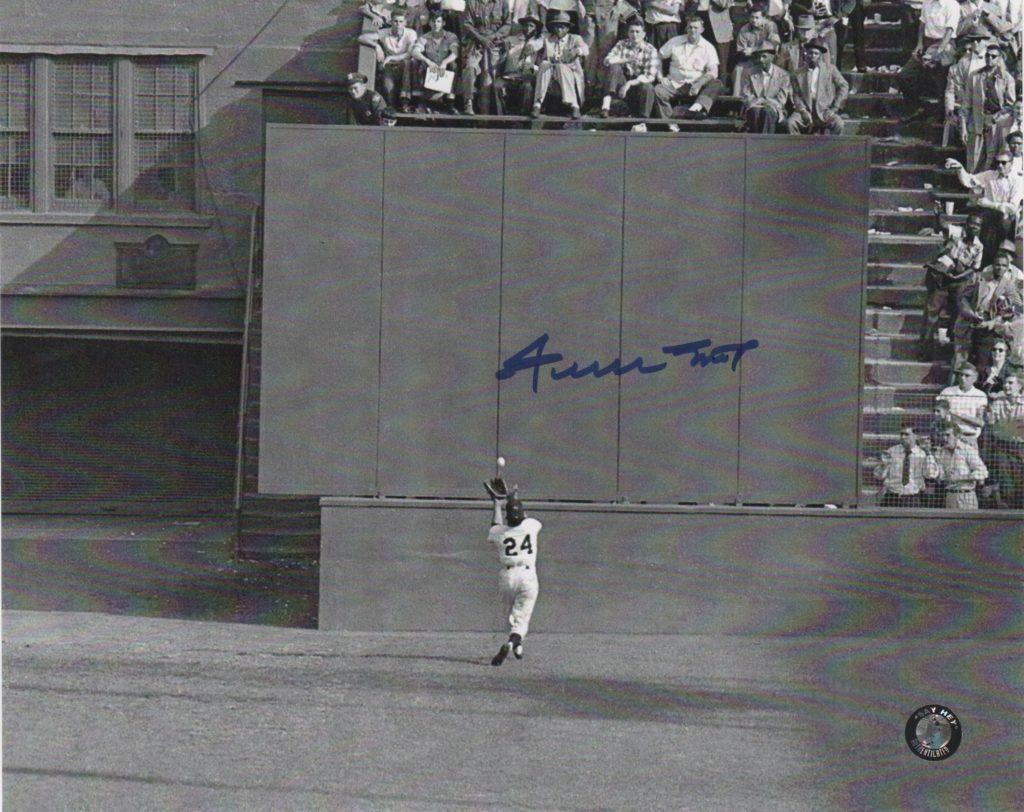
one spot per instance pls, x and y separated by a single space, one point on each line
517 550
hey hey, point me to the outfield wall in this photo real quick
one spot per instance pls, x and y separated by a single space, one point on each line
404 267
397 565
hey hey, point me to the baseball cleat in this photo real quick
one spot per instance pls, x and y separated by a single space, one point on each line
517 650
499 658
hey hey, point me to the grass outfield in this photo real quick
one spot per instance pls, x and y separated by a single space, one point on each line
108 712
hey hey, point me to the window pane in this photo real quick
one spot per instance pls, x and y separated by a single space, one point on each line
163 100
83 94
82 138
83 168
15 132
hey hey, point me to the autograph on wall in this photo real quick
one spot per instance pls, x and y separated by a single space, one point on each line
533 357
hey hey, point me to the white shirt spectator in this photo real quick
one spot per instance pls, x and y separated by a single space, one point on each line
688 61
662 11
971 403
938 15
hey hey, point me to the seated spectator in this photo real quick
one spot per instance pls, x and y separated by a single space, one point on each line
749 39
903 470
485 24
964 405
560 57
961 469
992 377
513 88
958 102
1000 196
791 56
925 72
945 278
819 93
394 54
663 20
991 310
692 75
825 19
633 67
766 91
1015 146
435 52
365 106
1004 444
600 31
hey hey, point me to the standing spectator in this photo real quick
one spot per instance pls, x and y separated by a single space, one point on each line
663 20
1006 444
718 29
749 39
560 56
435 51
766 91
513 88
910 22
963 405
365 106
633 67
992 109
945 277
958 85
692 74
792 56
903 470
819 93
925 72
851 26
1000 196
485 24
961 470
394 54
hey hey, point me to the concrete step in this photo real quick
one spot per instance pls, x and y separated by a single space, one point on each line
890 421
890 125
902 248
910 223
896 296
899 274
891 321
912 151
883 198
893 347
898 396
887 54
914 176
897 372
877 36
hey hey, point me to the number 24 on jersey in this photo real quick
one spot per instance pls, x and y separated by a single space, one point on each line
525 547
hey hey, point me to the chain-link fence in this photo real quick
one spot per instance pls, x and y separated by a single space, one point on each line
945 448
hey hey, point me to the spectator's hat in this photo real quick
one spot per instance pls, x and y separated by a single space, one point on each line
355 78
766 48
1007 247
1016 134
975 32
804 21
559 18
817 45
530 18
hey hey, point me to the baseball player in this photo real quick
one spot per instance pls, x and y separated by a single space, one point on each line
516 538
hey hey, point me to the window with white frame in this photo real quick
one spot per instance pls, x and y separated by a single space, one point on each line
111 133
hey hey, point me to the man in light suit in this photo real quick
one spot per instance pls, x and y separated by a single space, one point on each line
766 91
819 93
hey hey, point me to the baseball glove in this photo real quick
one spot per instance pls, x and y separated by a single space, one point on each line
496 488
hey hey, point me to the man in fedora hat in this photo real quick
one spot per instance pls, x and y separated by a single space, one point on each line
485 25
819 93
365 106
513 87
766 92
560 60
791 56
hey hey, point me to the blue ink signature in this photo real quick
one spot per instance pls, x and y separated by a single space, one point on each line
532 356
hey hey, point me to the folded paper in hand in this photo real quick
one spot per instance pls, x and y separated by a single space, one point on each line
439 81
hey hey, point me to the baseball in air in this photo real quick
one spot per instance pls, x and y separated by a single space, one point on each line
501 462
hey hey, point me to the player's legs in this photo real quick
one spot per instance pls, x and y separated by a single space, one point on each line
523 602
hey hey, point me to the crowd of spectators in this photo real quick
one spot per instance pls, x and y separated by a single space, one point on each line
670 59
628 58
